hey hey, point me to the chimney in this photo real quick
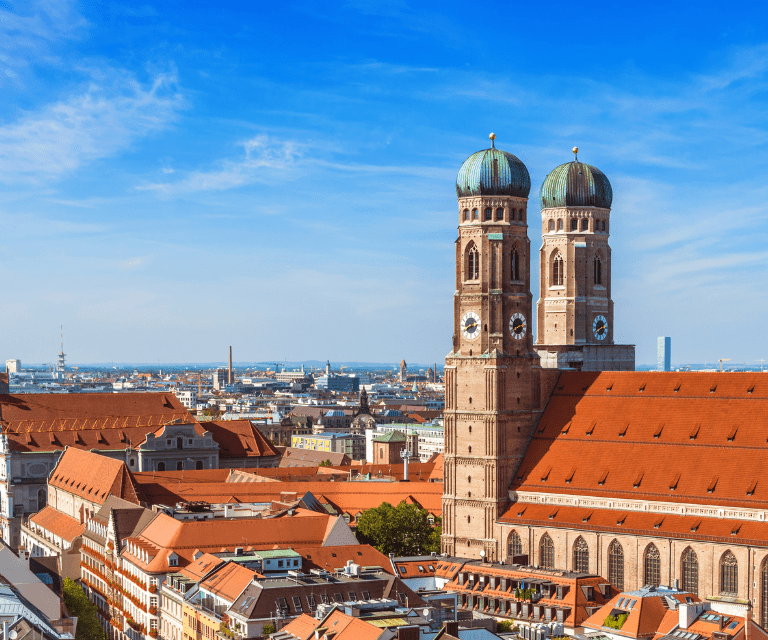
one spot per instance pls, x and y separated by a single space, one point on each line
229 371
452 628
748 624
408 633
721 621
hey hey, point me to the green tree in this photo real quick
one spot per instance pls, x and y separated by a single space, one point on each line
269 628
80 607
403 530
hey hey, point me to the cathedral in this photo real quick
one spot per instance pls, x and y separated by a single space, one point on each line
557 451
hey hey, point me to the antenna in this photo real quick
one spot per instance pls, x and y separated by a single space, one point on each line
761 360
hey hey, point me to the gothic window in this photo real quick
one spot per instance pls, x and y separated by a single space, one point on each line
514 545
551 225
514 271
520 215
690 571
546 552
598 271
574 224
764 594
161 466
499 214
488 214
729 575
466 214
603 225
581 555
616 565
42 499
585 225
560 224
473 263
652 566
475 214
557 270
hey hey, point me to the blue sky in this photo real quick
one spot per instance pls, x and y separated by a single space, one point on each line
181 176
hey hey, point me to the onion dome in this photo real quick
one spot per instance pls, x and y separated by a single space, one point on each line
493 172
575 184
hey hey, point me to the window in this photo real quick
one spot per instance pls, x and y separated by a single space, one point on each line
282 605
616 565
473 264
598 271
652 566
581 556
551 225
499 214
366 595
603 225
179 443
729 575
337 597
179 466
352 596
311 602
297 604
514 545
514 265
42 499
199 465
488 214
546 552
520 215
466 214
585 225
557 270
324 598
279 563
560 224
574 224
690 571
475 214
131 462
764 594
161 466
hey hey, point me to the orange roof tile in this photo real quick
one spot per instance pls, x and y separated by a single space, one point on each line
58 523
229 581
331 558
93 476
303 627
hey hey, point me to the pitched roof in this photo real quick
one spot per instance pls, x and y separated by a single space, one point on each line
201 567
303 627
391 436
332 558
239 439
229 581
93 476
680 437
51 421
58 523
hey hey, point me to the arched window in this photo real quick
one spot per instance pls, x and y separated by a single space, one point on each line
574 224
729 575
520 215
179 466
513 265
585 225
580 555
557 270
690 571
560 224
514 545
764 593
475 215
499 214
616 565
179 443
466 214
488 213
161 466
42 499
598 271
473 263
199 465
603 225
551 225
546 552
652 566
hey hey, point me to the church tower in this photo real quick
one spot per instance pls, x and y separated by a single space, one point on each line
492 375
575 327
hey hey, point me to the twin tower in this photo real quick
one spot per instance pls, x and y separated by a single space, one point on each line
497 379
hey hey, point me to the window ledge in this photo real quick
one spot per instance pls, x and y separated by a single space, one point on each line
559 287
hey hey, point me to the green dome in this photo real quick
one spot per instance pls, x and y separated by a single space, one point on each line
575 184
493 172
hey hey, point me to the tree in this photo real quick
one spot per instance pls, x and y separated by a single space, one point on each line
80 607
269 628
403 530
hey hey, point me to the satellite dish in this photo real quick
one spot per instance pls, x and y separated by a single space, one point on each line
425 613
482 553
13 635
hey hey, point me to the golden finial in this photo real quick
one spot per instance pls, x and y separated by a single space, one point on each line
576 152
493 137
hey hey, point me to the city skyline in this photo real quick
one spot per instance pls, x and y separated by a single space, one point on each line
178 178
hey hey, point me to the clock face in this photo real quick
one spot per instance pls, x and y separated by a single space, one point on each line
470 325
600 327
517 326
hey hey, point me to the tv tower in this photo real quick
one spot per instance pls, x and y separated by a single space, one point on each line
62 364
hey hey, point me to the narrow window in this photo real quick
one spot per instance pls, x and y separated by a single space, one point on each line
475 214
514 545
199 465
764 594
574 225
581 556
488 214
466 214
585 225
603 225
690 566
514 265
499 214
557 270
652 566
616 565
473 264
598 271
179 466
546 552
560 224
551 225
729 575
520 215
179 443
161 466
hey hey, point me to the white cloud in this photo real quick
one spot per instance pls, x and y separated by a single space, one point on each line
103 118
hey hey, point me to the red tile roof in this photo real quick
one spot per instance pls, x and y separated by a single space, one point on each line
58 523
93 476
229 581
239 439
332 558
303 627
680 437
